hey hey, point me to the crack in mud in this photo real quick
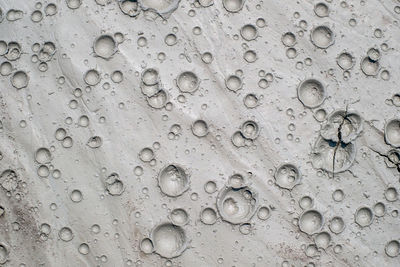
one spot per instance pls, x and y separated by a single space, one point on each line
339 141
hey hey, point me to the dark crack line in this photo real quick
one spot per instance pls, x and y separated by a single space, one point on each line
339 134
386 156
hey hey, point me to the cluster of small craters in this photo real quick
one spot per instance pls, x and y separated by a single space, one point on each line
249 131
199 133
43 53
11 52
152 88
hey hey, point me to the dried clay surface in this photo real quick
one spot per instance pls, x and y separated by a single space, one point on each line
199 133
